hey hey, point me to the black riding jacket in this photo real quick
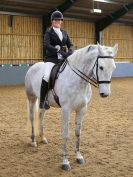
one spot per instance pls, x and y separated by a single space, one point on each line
51 39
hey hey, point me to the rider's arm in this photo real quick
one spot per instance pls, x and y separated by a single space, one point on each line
69 46
47 44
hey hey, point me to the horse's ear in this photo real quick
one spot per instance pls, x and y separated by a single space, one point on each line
115 49
100 49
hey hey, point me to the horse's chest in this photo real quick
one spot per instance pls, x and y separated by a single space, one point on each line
79 98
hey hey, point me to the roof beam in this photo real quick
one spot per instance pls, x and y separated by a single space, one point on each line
18 14
127 21
26 3
64 6
108 20
20 9
109 2
81 15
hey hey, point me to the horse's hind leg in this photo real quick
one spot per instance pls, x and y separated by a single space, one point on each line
42 116
32 104
78 122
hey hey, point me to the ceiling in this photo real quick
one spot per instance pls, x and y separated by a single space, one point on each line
80 9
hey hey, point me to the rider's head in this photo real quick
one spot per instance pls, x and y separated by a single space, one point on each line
56 19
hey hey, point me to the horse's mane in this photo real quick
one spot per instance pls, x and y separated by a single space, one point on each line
79 54
90 52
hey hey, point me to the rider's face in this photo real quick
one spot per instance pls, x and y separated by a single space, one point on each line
57 23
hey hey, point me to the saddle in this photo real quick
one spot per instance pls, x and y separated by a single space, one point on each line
54 74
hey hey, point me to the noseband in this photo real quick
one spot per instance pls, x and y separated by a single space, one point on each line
94 81
97 77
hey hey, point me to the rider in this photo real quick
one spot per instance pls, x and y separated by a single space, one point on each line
58 46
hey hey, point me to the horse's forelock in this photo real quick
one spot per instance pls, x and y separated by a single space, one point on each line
106 50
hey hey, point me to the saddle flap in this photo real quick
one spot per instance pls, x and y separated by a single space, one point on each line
54 75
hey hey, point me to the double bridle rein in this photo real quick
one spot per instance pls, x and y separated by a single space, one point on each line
93 81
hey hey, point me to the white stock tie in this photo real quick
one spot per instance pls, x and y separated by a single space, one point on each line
58 32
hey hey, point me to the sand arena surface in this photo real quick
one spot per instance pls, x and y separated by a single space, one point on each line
106 140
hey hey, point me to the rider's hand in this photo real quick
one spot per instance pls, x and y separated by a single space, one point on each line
57 47
64 54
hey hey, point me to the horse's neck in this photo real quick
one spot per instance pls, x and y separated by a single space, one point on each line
80 62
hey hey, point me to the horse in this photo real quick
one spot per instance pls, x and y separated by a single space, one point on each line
90 65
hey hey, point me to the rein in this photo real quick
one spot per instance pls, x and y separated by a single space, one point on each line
94 82
83 76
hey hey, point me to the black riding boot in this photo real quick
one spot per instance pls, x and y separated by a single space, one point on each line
43 92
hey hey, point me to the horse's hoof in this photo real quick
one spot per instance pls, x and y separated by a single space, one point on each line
34 144
45 141
66 167
80 161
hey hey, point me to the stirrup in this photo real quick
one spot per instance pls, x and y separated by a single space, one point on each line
44 105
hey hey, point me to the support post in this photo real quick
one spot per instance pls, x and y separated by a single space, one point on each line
45 25
98 35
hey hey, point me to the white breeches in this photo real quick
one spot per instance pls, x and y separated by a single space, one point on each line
48 67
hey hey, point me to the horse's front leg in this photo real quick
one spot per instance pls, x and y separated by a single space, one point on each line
65 134
78 122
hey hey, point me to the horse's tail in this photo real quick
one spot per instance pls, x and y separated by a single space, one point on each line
33 114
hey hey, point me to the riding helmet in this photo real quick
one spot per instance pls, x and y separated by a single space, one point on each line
57 15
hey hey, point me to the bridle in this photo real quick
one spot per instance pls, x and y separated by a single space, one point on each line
89 79
93 81
96 63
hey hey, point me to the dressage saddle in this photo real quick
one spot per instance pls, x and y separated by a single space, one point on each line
54 74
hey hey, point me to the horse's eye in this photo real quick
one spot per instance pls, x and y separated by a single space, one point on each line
101 67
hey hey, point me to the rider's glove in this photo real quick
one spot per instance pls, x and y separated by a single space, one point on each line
57 47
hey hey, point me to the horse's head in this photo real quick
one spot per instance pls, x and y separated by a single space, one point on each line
104 67
95 61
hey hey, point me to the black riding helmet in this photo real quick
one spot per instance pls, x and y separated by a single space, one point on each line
57 15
